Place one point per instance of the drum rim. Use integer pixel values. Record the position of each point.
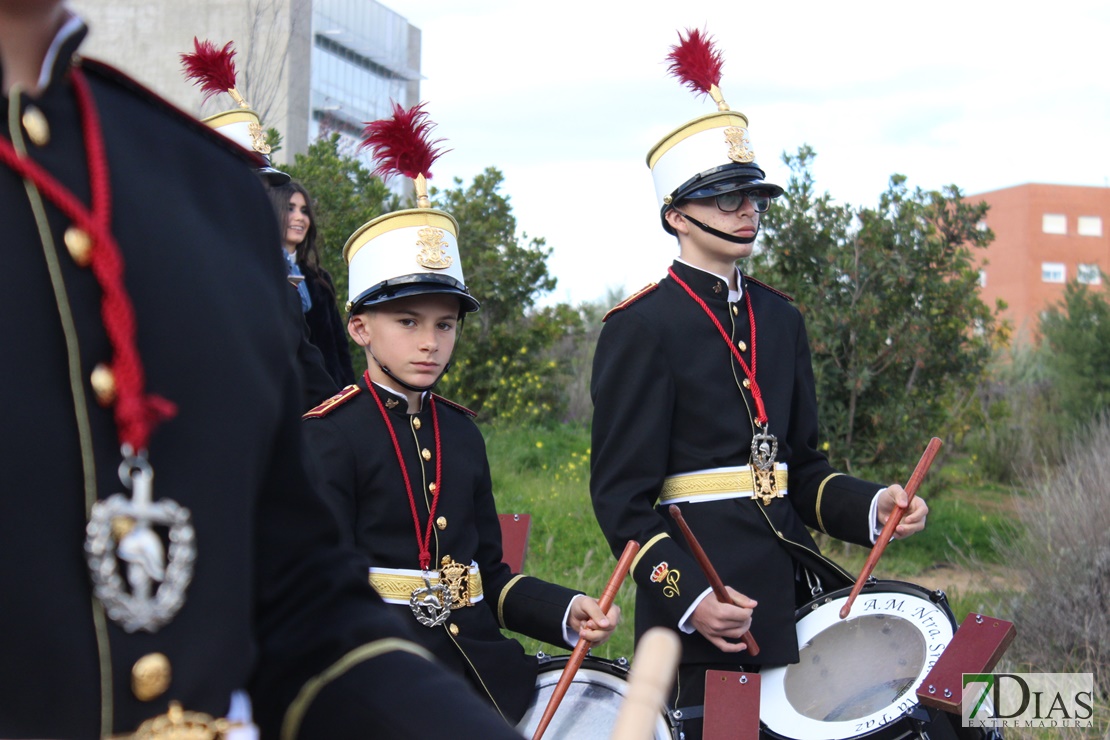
(773, 702)
(615, 674)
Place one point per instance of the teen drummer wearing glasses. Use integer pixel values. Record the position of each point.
(704, 397)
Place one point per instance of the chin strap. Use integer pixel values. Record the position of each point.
(710, 230)
(409, 386)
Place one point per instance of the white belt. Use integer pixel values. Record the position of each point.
(716, 484)
(395, 585)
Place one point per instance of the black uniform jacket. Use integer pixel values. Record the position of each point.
(355, 464)
(274, 604)
(668, 399)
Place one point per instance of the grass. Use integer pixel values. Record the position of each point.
(545, 472)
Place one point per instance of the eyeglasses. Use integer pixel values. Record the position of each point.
(731, 202)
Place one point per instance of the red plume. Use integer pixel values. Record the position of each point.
(695, 61)
(211, 68)
(401, 144)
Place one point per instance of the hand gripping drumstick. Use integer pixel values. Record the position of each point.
(649, 684)
(579, 653)
(715, 582)
(892, 522)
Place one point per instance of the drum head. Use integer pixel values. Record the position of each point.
(857, 675)
(590, 707)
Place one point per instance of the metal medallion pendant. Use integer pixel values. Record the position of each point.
(431, 605)
(764, 449)
(135, 531)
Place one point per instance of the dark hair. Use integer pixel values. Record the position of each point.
(307, 255)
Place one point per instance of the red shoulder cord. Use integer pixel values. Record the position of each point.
(424, 541)
(136, 413)
(761, 412)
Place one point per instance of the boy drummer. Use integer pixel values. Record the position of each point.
(405, 470)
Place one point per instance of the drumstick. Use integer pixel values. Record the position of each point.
(715, 582)
(649, 684)
(579, 653)
(892, 522)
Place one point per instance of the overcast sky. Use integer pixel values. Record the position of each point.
(566, 98)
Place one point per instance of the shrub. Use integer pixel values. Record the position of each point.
(1063, 616)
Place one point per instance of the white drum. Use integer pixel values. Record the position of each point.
(590, 707)
(858, 677)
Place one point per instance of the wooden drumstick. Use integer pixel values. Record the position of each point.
(715, 581)
(649, 684)
(579, 653)
(892, 522)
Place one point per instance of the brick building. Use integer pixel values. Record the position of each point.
(1045, 236)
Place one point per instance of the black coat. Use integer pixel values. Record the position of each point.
(326, 329)
(356, 470)
(668, 399)
(274, 600)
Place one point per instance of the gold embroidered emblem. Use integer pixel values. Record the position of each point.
(456, 577)
(179, 723)
(739, 146)
(391, 403)
(258, 138)
(432, 254)
(662, 573)
(765, 488)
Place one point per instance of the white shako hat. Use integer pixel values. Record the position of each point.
(214, 71)
(413, 251)
(711, 154)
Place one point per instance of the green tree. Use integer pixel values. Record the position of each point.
(899, 336)
(1076, 334)
(506, 362)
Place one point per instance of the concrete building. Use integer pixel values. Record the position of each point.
(1045, 237)
(306, 66)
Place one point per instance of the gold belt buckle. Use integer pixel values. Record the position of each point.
(766, 488)
(456, 577)
(179, 724)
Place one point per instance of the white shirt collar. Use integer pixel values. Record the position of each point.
(72, 25)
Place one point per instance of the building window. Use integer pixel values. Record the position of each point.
(1053, 272)
(1054, 223)
(1090, 226)
(982, 278)
(1089, 275)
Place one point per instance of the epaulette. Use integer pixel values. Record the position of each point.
(122, 79)
(332, 403)
(630, 300)
(456, 406)
(765, 286)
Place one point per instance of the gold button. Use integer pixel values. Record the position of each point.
(426, 454)
(103, 382)
(441, 522)
(453, 629)
(735, 311)
(79, 245)
(34, 123)
(432, 487)
(150, 676)
(746, 383)
(416, 422)
(741, 346)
